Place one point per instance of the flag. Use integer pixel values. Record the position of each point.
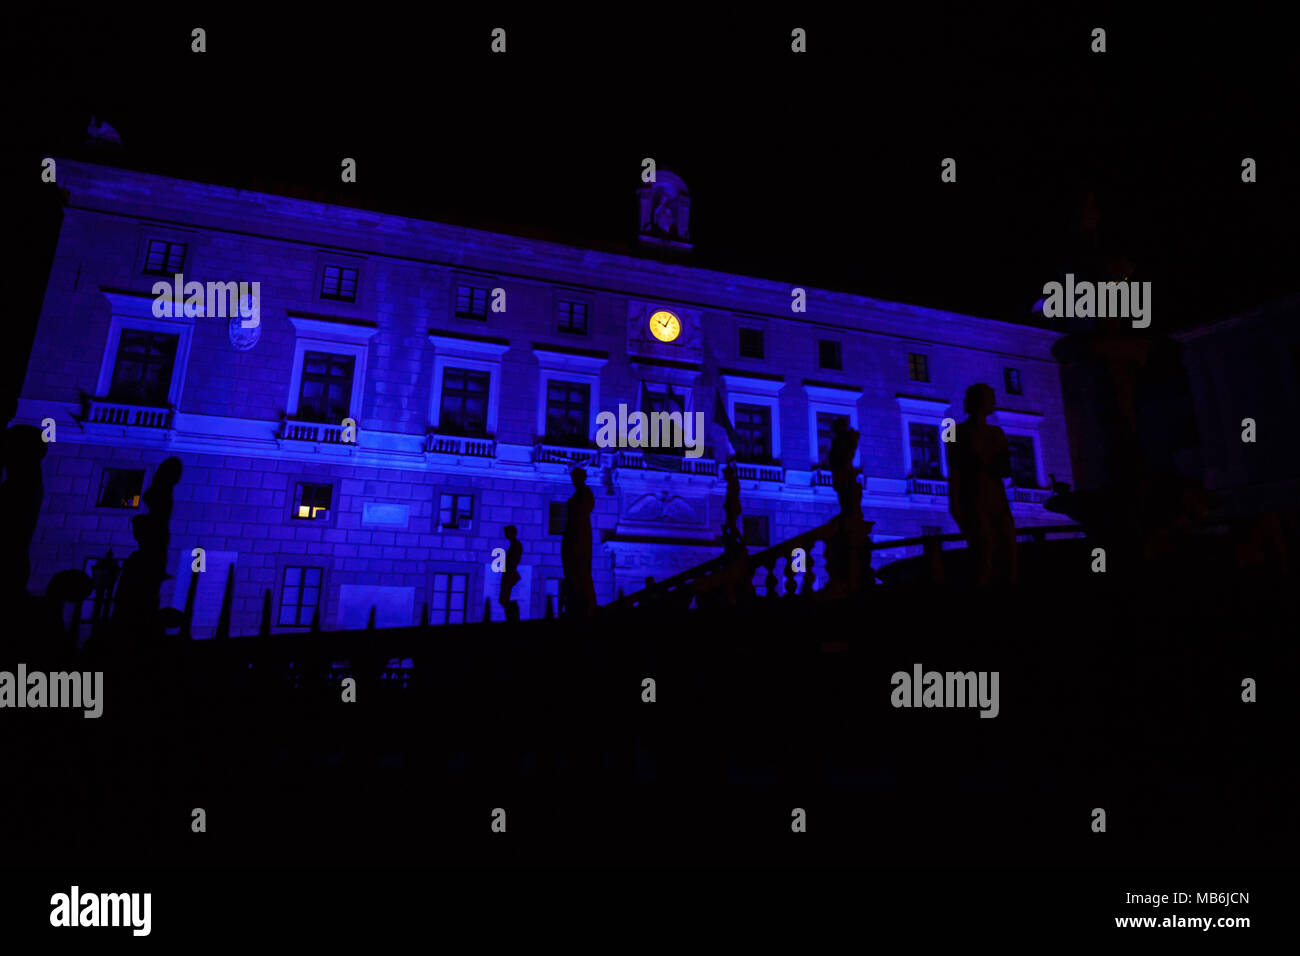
(720, 418)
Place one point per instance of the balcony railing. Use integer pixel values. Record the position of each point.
(823, 478)
(565, 455)
(625, 458)
(748, 471)
(1029, 496)
(937, 487)
(461, 446)
(321, 432)
(132, 416)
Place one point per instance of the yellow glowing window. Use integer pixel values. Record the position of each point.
(311, 501)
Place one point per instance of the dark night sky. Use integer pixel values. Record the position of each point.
(819, 170)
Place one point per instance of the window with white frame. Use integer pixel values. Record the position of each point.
(1025, 446)
(327, 382)
(568, 396)
(925, 454)
(466, 384)
(754, 408)
(825, 404)
(145, 356)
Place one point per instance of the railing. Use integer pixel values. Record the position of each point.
(690, 466)
(564, 455)
(134, 416)
(937, 487)
(1030, 496)
(751, 472)
(823, 478)
(460, 445)
(292, 430)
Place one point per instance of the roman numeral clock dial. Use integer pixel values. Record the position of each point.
(665, 326)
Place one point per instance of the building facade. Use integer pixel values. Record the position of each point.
(410, 388)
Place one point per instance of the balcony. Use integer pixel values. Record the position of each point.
(129, 416)
(934, 487)
(634, 459)
(1028, 496)
(750, 471)
(822, 478)
(571, 457)
(461, 446)
(317, 432)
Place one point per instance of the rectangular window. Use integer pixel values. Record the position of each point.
(300, 596)
(164, 258)
(918, 367)
(464, 402)
(1024, 467)
(120, 488)
(755, 529)
(924, 441)
(455, 512)
(556, 517)
(450, 597)
(828, 355)
(311, 502)
(1011, 379)
(340, 283)
(825, 432)
(471, 302)
(754, 433)
(142, 371)
(567, 406)
(326, 391)
(751, 343)
(571, 317)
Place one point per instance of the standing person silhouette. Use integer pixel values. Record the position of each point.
(510, 577)
(575, 550)
(977, 498)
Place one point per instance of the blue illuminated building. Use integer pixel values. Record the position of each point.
(474, 365)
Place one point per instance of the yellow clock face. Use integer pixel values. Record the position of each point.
(665, 326)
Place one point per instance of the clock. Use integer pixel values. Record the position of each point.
(665, 326)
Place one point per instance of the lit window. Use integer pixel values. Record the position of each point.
(120, 488)
(311, 501)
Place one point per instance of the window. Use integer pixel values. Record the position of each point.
(340, 283)
(450, 597)
(455, 512)
(1011, 379)
(826, 432)
(924, 440)
(1024, 467)
(471, 302)
(120, 488)
(754, 433)
(326, 390)
(571, 317)
(300, 596)
(311, 502)
(464, 402)
(556, 517)
(751, 343)
(566, 411)
(918, 367)
(755, 529)
(828, 355)
(164, 258)
(142, 370)
(88, 606)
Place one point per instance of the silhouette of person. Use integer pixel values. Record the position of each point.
(575, 550)
(844, 477)
(510, 577)
(20, 505)
(977, 498)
